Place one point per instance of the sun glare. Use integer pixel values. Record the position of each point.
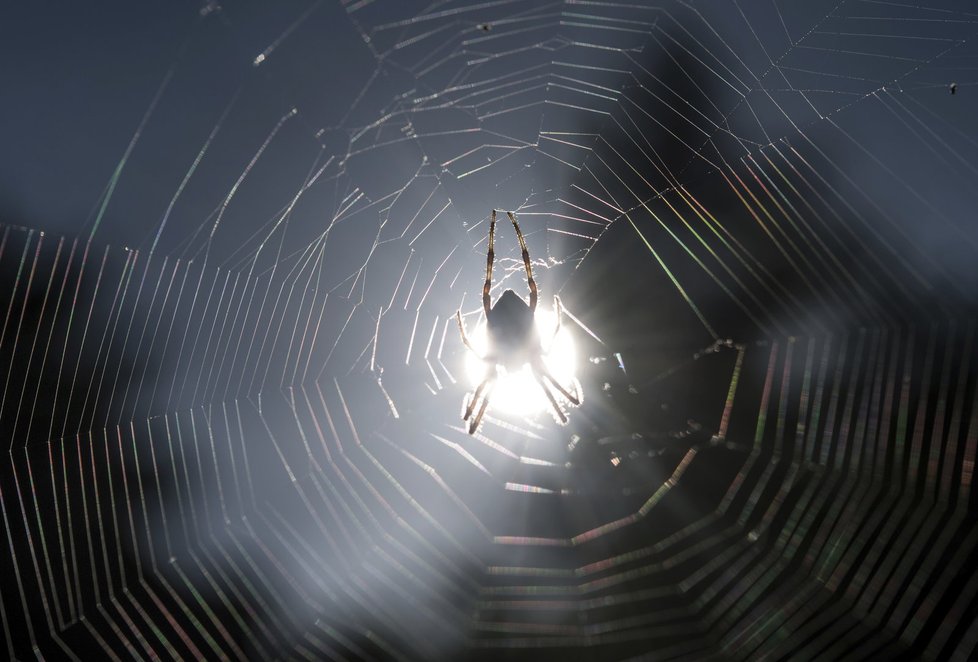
(517, 392)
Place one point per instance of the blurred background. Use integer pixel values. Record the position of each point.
(233, 239)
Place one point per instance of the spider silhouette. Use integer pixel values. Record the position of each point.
(513, 339)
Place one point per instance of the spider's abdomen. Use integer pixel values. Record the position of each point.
(513, 337)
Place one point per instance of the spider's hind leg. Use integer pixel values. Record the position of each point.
(482, 392)
(488, 384)
(555, 406)
(573, 398)
(558, 308)
(470, 406)
(474, 425)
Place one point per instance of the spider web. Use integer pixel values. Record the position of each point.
(232, 395)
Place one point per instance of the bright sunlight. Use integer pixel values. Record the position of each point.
(517, 392)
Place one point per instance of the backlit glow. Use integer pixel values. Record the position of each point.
(518, 392)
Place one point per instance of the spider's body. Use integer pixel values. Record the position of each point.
(513, 337)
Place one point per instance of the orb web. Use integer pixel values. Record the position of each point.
(232, 396)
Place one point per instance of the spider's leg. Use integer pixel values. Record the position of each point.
(526, 262)
(486, 381)
(490, 256)
(475, 397)
(465, 336)
(557, 310)
(545, 371)
(550, 396)
(474, 425)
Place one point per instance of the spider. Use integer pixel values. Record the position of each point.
(513, 339)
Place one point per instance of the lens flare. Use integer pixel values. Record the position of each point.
(518, 392)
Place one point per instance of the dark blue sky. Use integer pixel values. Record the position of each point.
(79, 78)
(76, 80)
